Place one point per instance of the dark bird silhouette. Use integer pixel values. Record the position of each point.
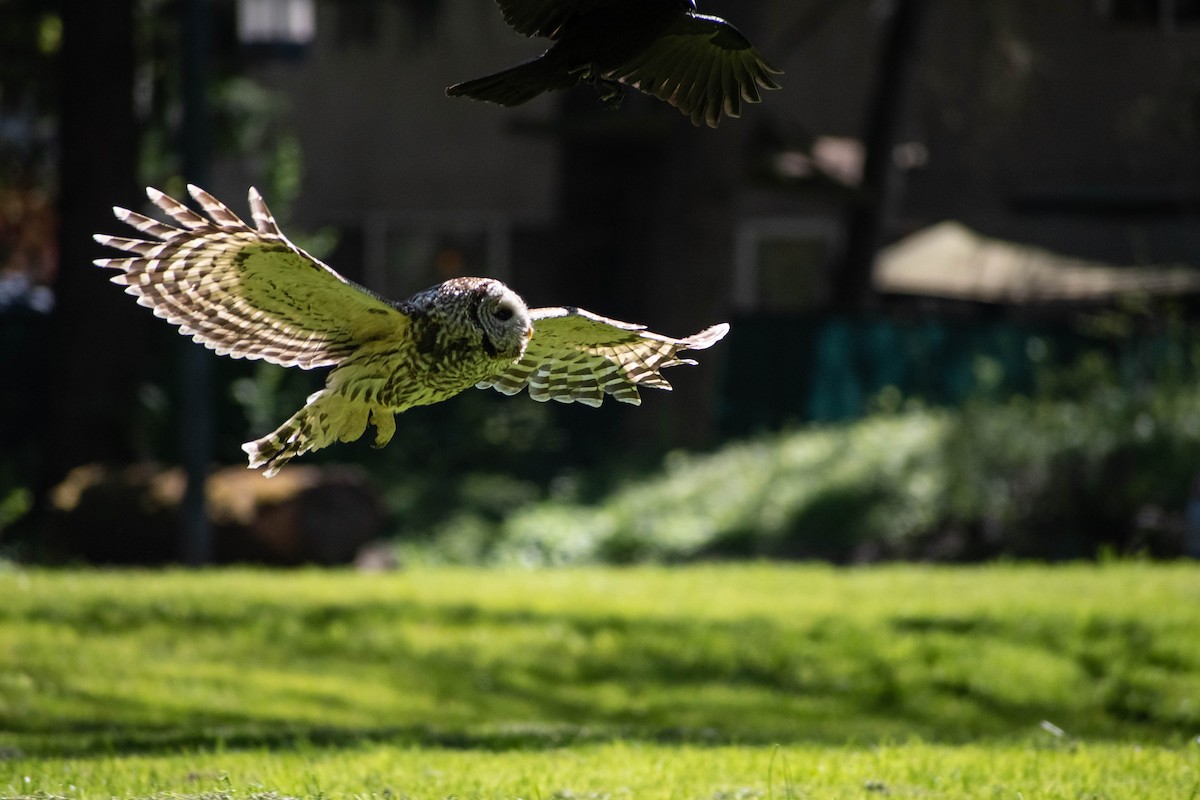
(700, 64)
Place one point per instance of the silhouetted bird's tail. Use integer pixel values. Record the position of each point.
(515, 85)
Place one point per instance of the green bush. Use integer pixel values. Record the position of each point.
(1110, 470)
(811, 493)
(1061, 478)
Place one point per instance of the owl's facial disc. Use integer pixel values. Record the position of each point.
(505, 322)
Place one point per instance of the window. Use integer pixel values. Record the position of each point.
(407, 252)
(279, 27)
(1166, 15)
(357, 23)
(781, 265)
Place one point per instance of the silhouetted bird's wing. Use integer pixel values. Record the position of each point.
(545, 17)
(703, 66)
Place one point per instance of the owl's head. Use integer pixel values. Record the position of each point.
(469, 314)
(503, 319)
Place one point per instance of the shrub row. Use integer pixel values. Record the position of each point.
(1030, 478)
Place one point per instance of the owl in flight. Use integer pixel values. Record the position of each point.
(700, 64)
(250, 293)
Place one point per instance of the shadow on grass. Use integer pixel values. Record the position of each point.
(462, 676)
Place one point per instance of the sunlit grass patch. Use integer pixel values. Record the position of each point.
(628, 770)
(515, 683)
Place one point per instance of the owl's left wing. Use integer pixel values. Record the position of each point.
(577, 356)
(246, 292)
(703, 66)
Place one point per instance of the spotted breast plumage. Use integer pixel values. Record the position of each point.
(251, 293)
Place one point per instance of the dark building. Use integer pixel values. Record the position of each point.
(1071, 126)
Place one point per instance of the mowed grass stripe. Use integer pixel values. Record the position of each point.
(628, 770)
(246, 674)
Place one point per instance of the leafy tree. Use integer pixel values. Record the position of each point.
(96, 342)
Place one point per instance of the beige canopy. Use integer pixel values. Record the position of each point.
(952, 261)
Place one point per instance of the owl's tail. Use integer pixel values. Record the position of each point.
(328, 416)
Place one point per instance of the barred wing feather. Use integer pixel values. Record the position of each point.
(245, 292)
(576, 356)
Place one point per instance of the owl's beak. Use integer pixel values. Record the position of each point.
(528, 334)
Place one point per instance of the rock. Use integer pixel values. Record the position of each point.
(130, 515)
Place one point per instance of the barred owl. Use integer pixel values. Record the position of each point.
(700, 64)
(250, 293)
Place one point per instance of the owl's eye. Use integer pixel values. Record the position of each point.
(503, 313)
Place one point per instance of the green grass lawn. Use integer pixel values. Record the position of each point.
(699, 682)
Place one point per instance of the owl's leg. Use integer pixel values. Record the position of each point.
(384, 421)
(328, 416)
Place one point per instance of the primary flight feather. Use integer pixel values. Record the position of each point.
(250, 293)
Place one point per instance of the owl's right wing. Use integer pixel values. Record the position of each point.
(245, 292)
(578, 356)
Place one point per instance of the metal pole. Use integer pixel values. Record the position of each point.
(196, 431)
(852, 290)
